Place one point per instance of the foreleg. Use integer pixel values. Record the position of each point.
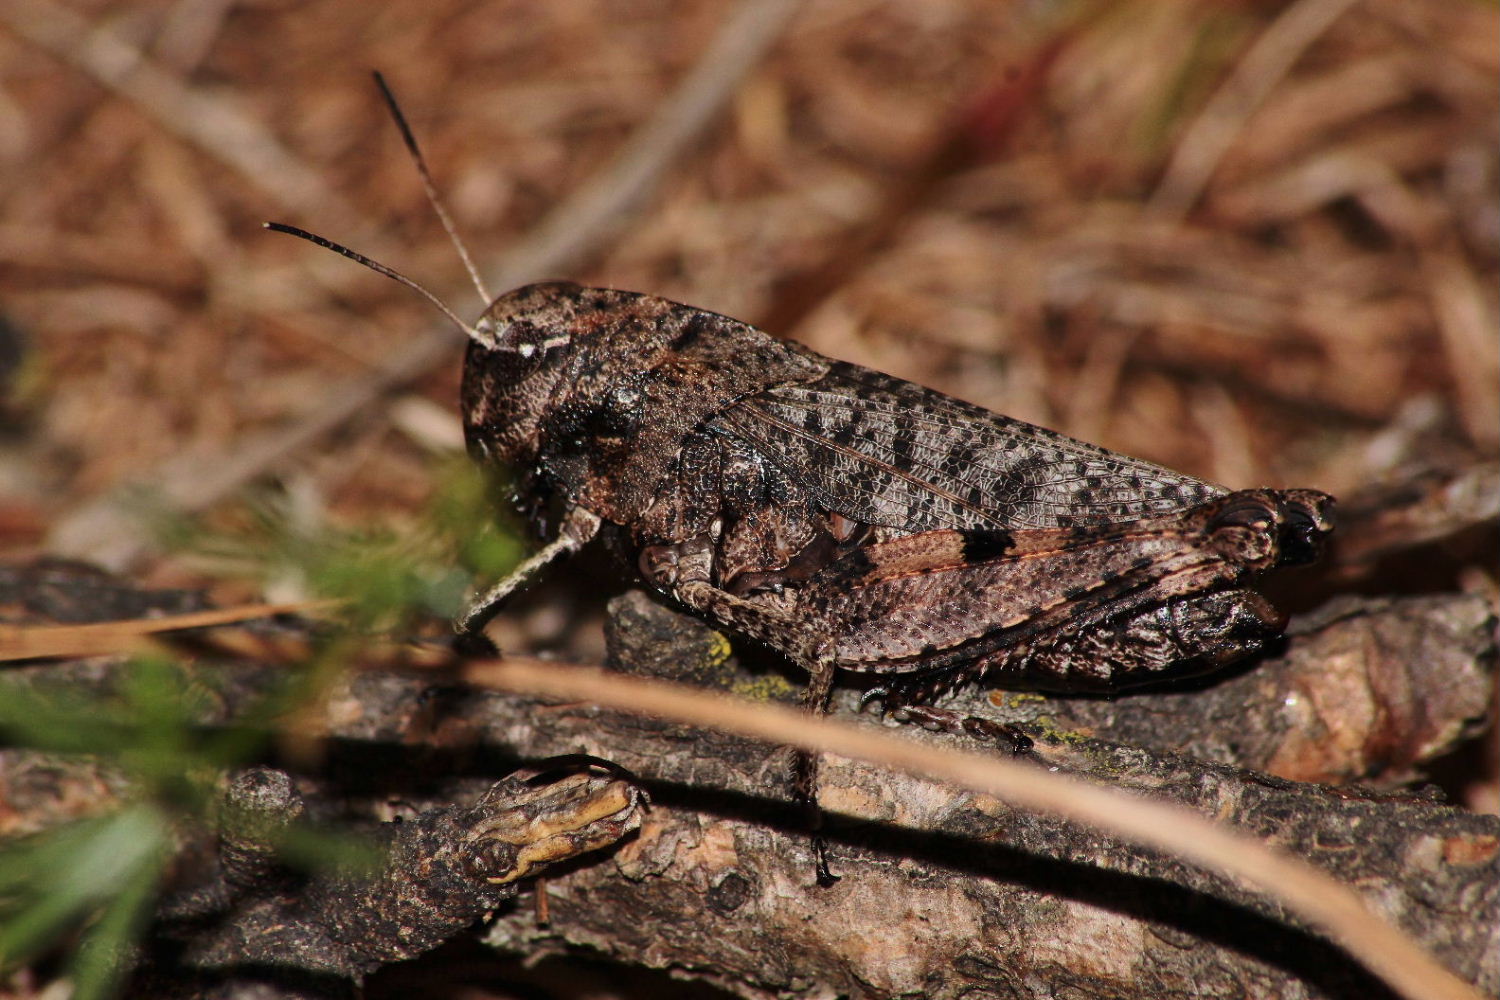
(578, 527)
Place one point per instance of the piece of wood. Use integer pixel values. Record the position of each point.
(944, 893)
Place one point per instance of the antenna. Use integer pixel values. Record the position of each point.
(431, 188)
(360, 258)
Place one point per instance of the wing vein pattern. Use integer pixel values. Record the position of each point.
(885, 452)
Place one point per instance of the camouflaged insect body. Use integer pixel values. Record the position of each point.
(853, 520)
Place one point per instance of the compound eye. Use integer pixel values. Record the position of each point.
(529, 345)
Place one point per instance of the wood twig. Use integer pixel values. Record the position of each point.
(945, 891)
(32, 642)
(1304, 890)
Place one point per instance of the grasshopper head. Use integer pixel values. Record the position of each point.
(519, 355)
(552, 364)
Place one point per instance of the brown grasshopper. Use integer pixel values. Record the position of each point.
(851, 520)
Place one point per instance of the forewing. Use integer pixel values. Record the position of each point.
(887, 452)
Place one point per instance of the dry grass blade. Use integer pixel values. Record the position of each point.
(214, 125)
(1306, 891)
(32, 642)
(981, 132)
(1267, 62)
(580, 225)
(1467, 326)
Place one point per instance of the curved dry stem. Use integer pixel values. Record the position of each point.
(1320, 900)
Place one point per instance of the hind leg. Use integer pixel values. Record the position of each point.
(817, 659)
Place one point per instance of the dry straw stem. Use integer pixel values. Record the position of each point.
(1321, 901)
(592, 214)
(32, 642)
(1266, 63)
(214, 124)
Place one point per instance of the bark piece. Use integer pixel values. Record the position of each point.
(253, 922)
(1366, 690)
(1416, 509)
(944, 894)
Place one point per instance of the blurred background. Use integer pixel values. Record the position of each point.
(1254, 241)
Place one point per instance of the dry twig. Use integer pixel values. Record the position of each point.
(30, 642)
(1320, 900)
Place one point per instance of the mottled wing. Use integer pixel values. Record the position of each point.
(883, 451)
